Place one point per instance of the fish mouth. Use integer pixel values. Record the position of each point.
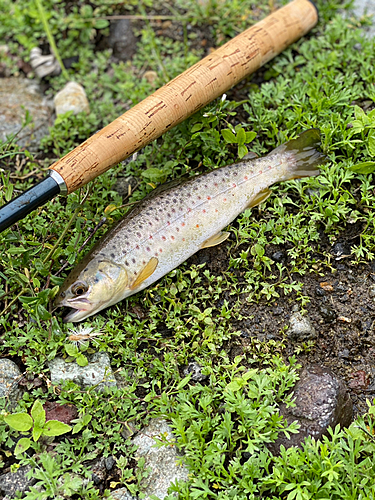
(78, 312)
(74, 315)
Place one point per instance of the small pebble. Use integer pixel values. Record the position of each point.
(71, 98)
(279, 256)
(301, 327)
(344, 354)
(340, 251)
(195, 370)
(327, 313)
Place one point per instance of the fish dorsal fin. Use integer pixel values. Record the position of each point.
(216, 239)
(259, 198)
(146, 272)
(251, 155)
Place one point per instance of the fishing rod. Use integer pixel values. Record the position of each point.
(171, 104)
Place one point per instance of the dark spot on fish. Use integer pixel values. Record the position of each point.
(199, 197)
(126, 263)
(173, 210)
(85, 269)
(139, 235)
(235, 173)
(169, 215)
(174, 200)
(177, 229)
(157, 219)
(127, 242)
(113, 255)
(215, 174)
(206, 187)
(172, 237)
(148, 249)
(140, 226)
(96, 280)
(144, 262)
(137, 247)
(133, 260)
(150, 223)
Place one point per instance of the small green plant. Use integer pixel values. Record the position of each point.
(240, 137)
(364, 124)
(36, 424)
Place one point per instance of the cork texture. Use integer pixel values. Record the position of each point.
(187, 93)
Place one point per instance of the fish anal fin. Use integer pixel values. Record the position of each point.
(216, 239)
(259, 198)
(146, 272)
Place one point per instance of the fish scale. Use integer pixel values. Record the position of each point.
(170, 225)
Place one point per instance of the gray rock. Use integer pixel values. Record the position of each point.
(162, 461)
(195, 370)
(97, 372)
(362, 7)
(99, 471)
(301, 327)
(71, 98)
(13, 482)
(122, 494)
(321, 400)
(10, 375)
(122, 39)
(16, 94)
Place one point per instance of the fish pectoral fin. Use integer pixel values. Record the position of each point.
(259, 198)
(216, 239)
(146, 272)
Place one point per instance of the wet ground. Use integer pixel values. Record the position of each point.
(341, 308)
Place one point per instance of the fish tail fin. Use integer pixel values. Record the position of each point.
(304, 153)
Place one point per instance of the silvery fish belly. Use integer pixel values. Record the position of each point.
(173, 223)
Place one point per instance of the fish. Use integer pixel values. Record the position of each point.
(175, 221)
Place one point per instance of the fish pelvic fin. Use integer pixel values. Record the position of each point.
(146, 272)
(216, 239)
(305, 154)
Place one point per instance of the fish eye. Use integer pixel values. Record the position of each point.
(79, 288)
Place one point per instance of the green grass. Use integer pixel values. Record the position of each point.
(223, 425)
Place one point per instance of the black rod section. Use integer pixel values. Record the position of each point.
(28, 201)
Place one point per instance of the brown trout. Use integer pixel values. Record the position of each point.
(173, 223)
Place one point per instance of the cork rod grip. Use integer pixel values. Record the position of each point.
(187, 93)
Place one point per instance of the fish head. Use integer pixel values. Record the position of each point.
(91, 287)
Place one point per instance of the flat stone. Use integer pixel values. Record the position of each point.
(301, 327)
(122, 494)
(13, 482)
(16, 96)
(322, 401)
(97, 372)
(71, 98)
(10, 375)
(162, 461)
(362, 7)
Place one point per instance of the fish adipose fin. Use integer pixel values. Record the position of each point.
(259, 198)
(305, 154)
(215, 240)
(146, 272)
